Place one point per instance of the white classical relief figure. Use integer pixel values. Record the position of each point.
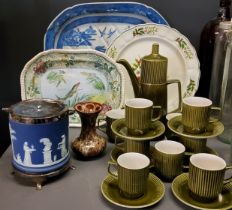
(27, 153)
(18, 158)
(47, 152)
(62, 146)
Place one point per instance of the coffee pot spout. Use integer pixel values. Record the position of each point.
(134, 79)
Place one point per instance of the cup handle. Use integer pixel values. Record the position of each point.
(111, 164)
(226, 181)
(100, 127)
(179, 93)
(117, 144)
(215, 108)
(160, 113)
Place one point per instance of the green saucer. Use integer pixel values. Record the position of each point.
(156, 129)
(213, 129)
(155, 192)
(181, 191)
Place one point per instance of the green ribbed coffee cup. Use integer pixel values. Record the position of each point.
(196, 113)
(193, 144)
(168, 159)
(131, 145)
(132, 170)
(138, 114)
(206, 176)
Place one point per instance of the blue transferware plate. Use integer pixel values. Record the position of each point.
(96, 25)
(73, 76)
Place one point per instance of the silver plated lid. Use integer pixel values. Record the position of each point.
(38, 109)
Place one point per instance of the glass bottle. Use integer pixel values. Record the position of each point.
(206, 47)
(220, 48)
(224, 88)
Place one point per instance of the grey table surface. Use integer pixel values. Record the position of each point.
(76, 189)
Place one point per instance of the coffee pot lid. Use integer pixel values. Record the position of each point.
(154, 67)
(155, 56)
(38, 108)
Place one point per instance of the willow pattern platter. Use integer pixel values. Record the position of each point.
(73, 76)
(183, 63)
(95, 25)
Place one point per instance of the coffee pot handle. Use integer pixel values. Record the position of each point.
(179, 93)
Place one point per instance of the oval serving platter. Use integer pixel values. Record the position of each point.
(183, 63)
(95, 25)
(73, 76)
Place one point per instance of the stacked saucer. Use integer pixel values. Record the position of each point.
(195, 125)
(132, 143)
(195, 142)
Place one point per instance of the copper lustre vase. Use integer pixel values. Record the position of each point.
(89, 143)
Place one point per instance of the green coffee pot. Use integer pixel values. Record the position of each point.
(153, 80)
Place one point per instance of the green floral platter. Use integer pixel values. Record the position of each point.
(73, 76)
(183, 63)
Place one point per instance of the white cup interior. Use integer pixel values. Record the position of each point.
(197, 101)
(139, 103)
(116, 114)
(133, 160)
(208, 161)
(170, 147)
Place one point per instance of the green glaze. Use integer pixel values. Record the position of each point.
(157, 93)
(138, 115)
(156, 129)
(193, 144)
(154, 193)
(181, 191)
(154, 67)
(205, 185)
(168, 166)
(132, 182)
(212, 129)
(196, 118)
(130, 145)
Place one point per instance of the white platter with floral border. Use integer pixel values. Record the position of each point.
(73, 76)
(183, 63)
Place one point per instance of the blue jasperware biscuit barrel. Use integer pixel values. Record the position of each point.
(39, 135)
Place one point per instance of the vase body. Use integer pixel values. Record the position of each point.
(89, 143)
(206, 48)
